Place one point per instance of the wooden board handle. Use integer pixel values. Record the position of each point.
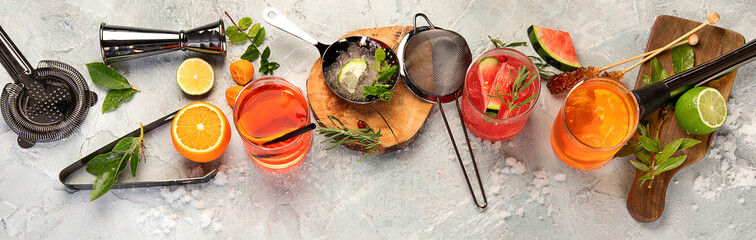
(647, 204)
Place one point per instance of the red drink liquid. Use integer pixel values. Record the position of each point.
(495, 72)
(265, 108)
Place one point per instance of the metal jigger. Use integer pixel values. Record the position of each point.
(122, 43)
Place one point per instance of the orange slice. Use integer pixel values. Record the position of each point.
(200, 132)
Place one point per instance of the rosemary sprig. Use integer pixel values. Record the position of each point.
(517, 87)
(339, 134)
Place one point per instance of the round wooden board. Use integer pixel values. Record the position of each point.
(406, 112)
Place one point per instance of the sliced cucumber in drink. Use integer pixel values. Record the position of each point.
(493, 107)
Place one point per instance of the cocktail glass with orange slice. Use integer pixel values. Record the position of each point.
(267, 109)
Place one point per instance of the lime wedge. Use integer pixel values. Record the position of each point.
(355, 67)
(701, 110)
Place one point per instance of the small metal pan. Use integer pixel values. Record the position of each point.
(329, 53)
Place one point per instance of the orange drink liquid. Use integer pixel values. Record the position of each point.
(598, 117)
(265, 108)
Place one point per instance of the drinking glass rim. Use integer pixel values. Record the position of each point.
(282, 82)
(624, 88)
(529, 63)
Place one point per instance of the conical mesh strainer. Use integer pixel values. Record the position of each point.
(435, 62)
(43, 104)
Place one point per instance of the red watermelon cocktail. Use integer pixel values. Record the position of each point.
(501, 88)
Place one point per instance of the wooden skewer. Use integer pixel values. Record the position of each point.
(712, 19)
(692, 40)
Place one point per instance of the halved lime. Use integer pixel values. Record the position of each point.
(355, 67)
(195, 76)
(701, 110)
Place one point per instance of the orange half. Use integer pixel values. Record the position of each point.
(200, 132)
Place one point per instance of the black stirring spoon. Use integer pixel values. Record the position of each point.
(292, 134)
(654, 96)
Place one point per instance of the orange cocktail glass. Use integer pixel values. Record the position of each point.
(266, 107)
(598, 117)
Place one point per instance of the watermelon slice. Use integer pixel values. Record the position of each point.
(501, 84)
(555, 47)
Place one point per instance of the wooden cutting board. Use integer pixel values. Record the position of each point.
(406, 113)
(647, 204)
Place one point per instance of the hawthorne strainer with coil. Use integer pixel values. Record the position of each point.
(435, 62)
(43, 104)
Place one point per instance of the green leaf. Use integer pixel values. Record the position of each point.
(107, 77)
(648, 144)
(381, 91)
(687, 142)
(385, 74)
(496, 42)
(134, 161)
(639, 165)
(657, 71)
(629, 148)
(532, 96)
(724, 75)
(114, 98)
(643, 129)
(241, 38)
(103, 183)
(103, 162)
(670, 164)
(644, 156)
(670, 149)
(683, 58)
(516, 44)
(645, 178)
(232, 31)
(272, 66)
(266, 53)
(125, 144)
(244, 23)
(380, 55)
(251, 54)
(259, 37)
(646, 79)
(254, 30)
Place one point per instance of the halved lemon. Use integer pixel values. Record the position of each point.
(200, 132)
(195, 76)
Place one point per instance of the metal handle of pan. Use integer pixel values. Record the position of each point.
(484, 204)
(12, 59)
(414, 23)
(274, 17)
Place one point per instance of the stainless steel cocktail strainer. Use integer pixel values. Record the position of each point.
(43, 104)
(435, 62)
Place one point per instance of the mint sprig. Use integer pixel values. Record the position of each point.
(379, 88)
(256, 36)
